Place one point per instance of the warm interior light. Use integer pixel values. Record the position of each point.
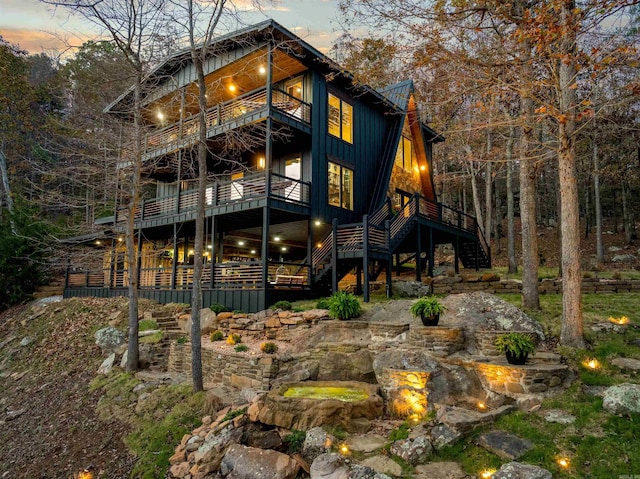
(319, 245)
(160, 116)
(240, 243)
(262, 70)
(190, 252)
(253, 251)
(276, 238)
(98, 242)
(284, 248)
(486, 474)
(261, 162)
(344, 449)
(209, 246)
(317, 222)
(564, 462)
(423, 167)
(591, 363)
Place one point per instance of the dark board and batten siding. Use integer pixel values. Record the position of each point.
(371, 127)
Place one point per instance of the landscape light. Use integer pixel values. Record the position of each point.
(486, 474)
(591, 364)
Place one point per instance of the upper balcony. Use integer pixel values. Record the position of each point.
(243, 110)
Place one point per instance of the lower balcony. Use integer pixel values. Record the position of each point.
(238, 192)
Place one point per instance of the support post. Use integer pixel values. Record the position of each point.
(387, 229)
(359, 279)
(111, 263)
(365, 257)
(139, 258)
(309, 250)
(174, 263)
(457, 255)
(268, 148)
(213, 250)
(334, 256)
(418, 250)
(398, 264)
(265, 247)
(431, 252)
(66, 274)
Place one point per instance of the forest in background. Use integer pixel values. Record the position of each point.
(535, 99)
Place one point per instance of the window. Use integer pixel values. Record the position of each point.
(340, 186)
(404, 153)
(294, 88)
(340, 118)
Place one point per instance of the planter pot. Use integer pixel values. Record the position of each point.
(430, 320)
(516, 359)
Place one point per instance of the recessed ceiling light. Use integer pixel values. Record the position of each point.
(240, 243)
(276, 238)
(262, 70)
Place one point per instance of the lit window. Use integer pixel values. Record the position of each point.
(404, 153)
(340, 118)
(340, 186)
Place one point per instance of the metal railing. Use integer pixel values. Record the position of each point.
(223, 192)
(184, 133)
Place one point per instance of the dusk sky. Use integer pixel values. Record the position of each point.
(36, 27)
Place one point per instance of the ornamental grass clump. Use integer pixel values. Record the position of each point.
(344, 306)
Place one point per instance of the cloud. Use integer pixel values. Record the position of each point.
(36, 41)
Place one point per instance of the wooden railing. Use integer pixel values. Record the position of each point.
(223, 192)
(185, 133)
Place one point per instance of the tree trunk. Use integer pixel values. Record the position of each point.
(626, 215)
(133, 352)
(511, 231)
(572, 328)
(476, 199)
(6, 187)
(596, 199)
(487, 191)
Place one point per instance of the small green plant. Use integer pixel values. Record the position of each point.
(234, 414)
(427, 306)
(294, 440)
(324, 303)
(181, 340)
(238, 311)
(269, 348)
(147, 325)
(234, 338)
(216, 335)
(218, 308)
(283, 305)
(240, 348)
(517, 344)
(399, 433)
(343, 305)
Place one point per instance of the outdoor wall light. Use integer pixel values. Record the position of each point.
(317, 222)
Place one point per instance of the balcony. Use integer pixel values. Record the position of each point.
(243, 110)
(223, 193)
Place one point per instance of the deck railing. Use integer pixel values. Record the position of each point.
(182, 134)
(226, 275)
(223, 192)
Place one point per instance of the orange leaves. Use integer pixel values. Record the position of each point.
(541, 110)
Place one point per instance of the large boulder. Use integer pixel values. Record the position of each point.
(335, 466)
(622, 399)
(241, 462)
(109, 339)
(316, 442)
(414, 451)
(208, 322)
(481, 311)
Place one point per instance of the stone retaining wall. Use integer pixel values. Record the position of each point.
(486, 341)
(517, 380)
(458, 284)
(437, 338)
(230, 369)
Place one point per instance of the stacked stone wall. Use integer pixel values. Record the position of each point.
(517, 380)
(437, 339)
(458, 284)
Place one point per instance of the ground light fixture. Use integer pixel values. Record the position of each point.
(344, 449)
(563, 462)
(591, 364)
(487, 473)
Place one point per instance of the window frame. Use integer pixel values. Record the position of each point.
(341, 169)
(340, 123)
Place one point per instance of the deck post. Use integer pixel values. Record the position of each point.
(139, 258)
(213, 250)
(66, 274)
(432, 249)
(418, 250)
(398, 264)
(268, 147)
(264, 253)
(309, 250)
(334, 255)
(359, 279)
(456, 252)
(365, 257)
(112, 265)
(387, 229)
(174, 262)
(179, 190)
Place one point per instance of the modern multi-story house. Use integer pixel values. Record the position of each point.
(311, 175)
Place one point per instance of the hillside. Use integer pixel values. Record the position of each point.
(48, 423)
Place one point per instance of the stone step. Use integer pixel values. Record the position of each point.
(156, 315)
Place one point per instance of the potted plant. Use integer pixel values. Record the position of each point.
(429, 310)
(516, 346)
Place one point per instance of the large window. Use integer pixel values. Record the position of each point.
(340, 186)
(340, 118)
(404, 153)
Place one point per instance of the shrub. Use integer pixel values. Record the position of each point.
(324, 303)
(284, 305)
(268, 348)
(344, 306)
(234, 339)
(240, 348)
(217, 308)
(181, 340)
(515, 343)
(294, 440)
(216, 335)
